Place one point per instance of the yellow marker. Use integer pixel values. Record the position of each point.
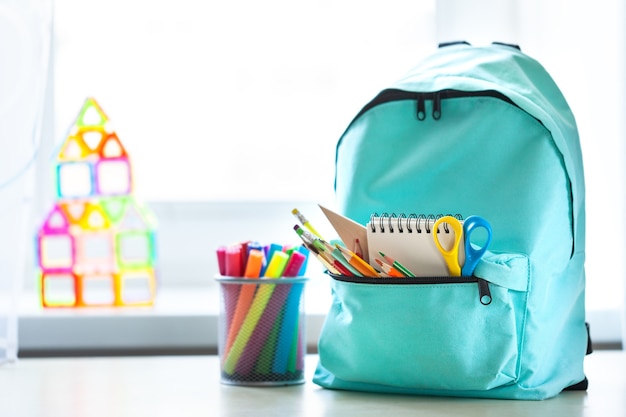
(274, 270)
(277, 264)
(305, 222)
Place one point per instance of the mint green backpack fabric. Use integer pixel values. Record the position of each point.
(470, 130)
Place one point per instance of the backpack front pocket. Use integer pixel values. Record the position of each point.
(423, 336)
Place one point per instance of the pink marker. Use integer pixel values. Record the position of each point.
(233, 261)
(221, 259)
(294, 264)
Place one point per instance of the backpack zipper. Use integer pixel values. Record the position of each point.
(483, 285)
(393, 94)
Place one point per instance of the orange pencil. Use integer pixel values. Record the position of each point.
(358, 263)
(397, 265)
(246, 295)
(389, 270)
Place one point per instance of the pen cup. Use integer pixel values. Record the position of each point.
(261, 331)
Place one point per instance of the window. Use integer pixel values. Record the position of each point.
(231, 111)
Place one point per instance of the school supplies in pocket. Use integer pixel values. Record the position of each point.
(426, 335)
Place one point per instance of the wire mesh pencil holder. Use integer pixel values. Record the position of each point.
(261, 331)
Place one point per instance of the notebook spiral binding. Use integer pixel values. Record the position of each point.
(392, 222)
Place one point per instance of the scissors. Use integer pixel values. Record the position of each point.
(465, 230)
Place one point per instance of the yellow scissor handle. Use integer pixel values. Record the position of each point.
(451, 256)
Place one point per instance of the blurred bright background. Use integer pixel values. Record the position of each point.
(231, 111)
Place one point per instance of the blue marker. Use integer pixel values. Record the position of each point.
(303, 250)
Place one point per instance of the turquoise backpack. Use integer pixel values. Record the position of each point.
(475, 131)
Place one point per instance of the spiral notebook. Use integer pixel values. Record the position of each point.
(408, 239)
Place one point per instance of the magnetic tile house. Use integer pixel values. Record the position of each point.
(96, 246)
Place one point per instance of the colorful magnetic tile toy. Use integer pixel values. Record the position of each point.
(96, 246)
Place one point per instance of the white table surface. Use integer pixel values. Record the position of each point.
(189, 386)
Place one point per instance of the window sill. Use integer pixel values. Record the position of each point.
(182, 321)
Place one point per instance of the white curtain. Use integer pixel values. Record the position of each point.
(25, 33)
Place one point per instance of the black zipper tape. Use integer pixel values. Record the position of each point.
(393, 94)
(483, 286)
